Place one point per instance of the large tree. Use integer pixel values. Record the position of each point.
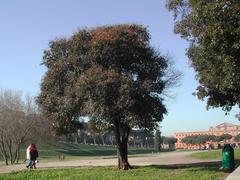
(111, 73)
(213, 31)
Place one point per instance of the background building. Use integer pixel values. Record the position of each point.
(224, 128)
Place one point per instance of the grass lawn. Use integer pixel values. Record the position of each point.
(214, 154)
(51, 151)
(107, 173)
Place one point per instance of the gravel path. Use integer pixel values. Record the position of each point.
(167, 158)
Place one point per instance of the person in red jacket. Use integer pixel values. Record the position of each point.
(33, 156)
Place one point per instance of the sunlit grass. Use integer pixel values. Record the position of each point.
(51, 152)
(108, 173)
(214, 154)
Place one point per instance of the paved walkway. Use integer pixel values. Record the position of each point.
(235, 175)
(167, 158)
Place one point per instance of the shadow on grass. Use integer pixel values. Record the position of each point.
(86, 152)
(98, 152)
(211, 166)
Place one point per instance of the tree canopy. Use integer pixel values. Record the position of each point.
(169, 140)
(111, 73)
(197, 139)
(213, 31)
(237, 138)
(223, 137)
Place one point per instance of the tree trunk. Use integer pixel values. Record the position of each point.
(112, 140)
(102, 136)
(6, 159)
(84, 139)
(94, 139)
(123, 156)
(3, 149)
(10, 154)
(122, 147)
(16, 156)
(134, 141)
(75, 138)
(9, 145)
(4, 153)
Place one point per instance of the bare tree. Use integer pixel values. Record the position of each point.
(19, 122)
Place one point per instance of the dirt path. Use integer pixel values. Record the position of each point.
(168, 158)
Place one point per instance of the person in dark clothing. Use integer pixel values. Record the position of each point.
(33, 156)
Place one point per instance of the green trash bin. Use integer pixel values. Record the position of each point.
(228, 164)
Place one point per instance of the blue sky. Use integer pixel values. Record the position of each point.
(27, 26)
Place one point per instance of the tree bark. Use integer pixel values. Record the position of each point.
(122, 134)
(75, 138)
(4, 153)
(17, 156)
(102, 136)
(3, 149)
(9, 145)
(94, 140)
(134, 141)
(111, 140)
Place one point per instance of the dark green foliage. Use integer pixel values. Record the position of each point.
(198, 139)
(109, 72)
(157, 141)
(169, 140)
(223, 137)
(237, 138)
(202, 139)
(213, 31)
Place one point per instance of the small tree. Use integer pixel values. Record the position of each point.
(170, 141)
(157, 141)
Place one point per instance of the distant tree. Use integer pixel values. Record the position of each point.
(213, 31)
(157, 141)
(197, 139)
(141, 138)
(237, 138)
(110, 72)
(94, 130)
(99, 127)
(187, 140)
(223, 137)
(84, 132)
(170, 141)
(20, 121)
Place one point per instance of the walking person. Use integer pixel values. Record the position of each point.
(33, 156)
(28, 157)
